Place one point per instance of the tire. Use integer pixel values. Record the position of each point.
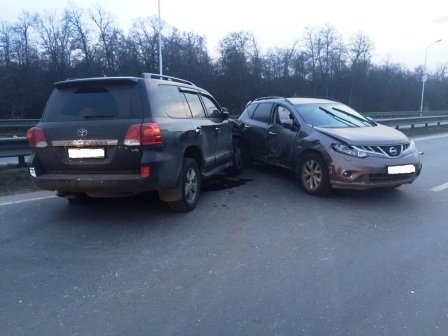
(237, 159)
(313, 175)
(191, 187)
(76, 199)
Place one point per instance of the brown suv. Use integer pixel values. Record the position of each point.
(327, 144)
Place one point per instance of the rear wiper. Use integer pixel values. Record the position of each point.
(353, 116)
(104, 116)
(347, 122)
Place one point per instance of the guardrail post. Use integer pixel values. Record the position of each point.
(22, 161)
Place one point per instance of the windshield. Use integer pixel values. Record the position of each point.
(332, 115)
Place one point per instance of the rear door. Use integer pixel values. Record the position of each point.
(255, 130)
(85, 123)
(205, 128)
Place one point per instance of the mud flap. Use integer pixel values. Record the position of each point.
(171, 195)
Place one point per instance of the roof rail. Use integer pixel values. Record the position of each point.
(323, 97)
(267, 98)
(167, 78)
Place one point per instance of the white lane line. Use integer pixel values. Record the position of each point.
(440, 187)
(27, 200)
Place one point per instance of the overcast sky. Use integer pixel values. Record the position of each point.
(399, 29)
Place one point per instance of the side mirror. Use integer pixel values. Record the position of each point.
(225, 113)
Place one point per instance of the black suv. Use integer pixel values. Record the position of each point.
(114, 136)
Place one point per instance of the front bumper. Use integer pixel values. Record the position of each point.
(348, 172)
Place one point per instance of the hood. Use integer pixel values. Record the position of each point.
(361, 136)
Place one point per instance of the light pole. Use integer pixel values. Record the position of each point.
(160, 43)
(424, 75)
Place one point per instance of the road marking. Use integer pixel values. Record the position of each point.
(440, 187)
(27, 200)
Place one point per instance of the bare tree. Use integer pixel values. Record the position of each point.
(74, 17)
(56, 37)
(144, 33)
(109, 38)
(6, 32)
(22, 44)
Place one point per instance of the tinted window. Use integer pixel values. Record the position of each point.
(250, 110)
(99, 102)
(263, 112)
(212, 109)
(195, 105)
(331, 116)
(172, 102)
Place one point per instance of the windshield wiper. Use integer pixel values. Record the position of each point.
(104, 116)
(347, 122)
(353, 116)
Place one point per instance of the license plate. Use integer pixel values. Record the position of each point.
(405, 169)
(86, 153)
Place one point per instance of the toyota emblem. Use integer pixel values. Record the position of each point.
(393, 151)
(82, 132)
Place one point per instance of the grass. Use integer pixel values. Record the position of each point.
(14, 180)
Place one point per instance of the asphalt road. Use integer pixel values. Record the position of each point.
(257, 257)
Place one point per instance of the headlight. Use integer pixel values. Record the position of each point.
(349, 150)
(412, 147)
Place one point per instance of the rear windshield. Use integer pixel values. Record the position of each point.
(332, 116)
(94, 102)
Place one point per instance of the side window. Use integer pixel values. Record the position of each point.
(172, 102)
(282, 115)
(250, 110)
(195, 105)
(211, 108)
(263, 113)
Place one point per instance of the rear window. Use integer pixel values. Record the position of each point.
(94, 102)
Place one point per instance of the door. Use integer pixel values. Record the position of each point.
(85, 126)
(255, 131)
(223, 128)
(281, 137)
(205, 129)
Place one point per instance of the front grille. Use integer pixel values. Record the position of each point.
(389, 151)
(377, 178)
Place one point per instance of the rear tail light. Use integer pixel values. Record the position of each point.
(133, 137)
(145, 172)
(143, 134)
(151, 134)
(36, 138)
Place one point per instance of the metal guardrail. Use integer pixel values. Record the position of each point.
(403, 114)
(18, 123)
(413, 121)
(18, 146)
(14, 147)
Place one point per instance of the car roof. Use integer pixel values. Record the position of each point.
(295, 100)
(303, 101)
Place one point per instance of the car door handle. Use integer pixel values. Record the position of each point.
(272, 133)
(246, 126)
(198, 130)
(218, 129)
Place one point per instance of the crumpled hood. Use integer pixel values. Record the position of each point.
(378, 135)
